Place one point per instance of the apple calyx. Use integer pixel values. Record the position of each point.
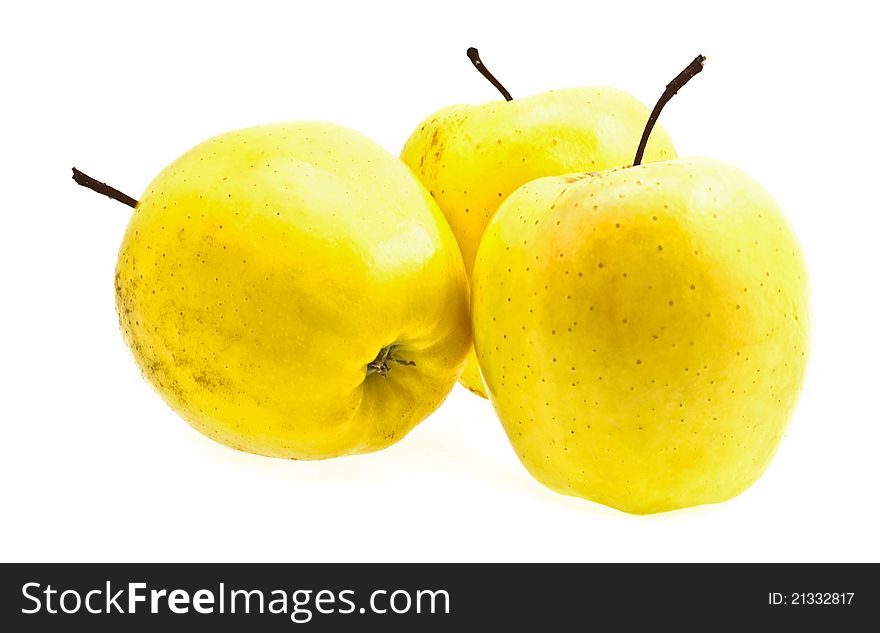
(474, 55)
(671, 88)
(103, 188)
(382, 363)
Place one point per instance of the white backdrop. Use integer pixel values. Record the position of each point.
(96, 467)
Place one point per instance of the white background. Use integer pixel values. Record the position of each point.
(95, 467)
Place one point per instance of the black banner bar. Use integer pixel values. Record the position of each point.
(435, 597)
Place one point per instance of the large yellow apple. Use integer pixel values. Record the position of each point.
(292, 290)
(643, 332)
(471, 157)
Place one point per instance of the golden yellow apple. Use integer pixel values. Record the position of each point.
(643, 332)
(292, 290)
(471, 157)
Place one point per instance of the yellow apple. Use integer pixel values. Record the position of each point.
(471, 157)
(643, 332)
(292, 290)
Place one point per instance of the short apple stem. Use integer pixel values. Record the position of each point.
(474, 55)
(671, 88)
(102, 188)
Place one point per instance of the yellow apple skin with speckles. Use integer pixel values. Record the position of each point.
(643, 332)
(472, 157)
(264, 271)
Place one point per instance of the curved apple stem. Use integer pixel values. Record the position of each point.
(474, 55)
(671, 88)
(103, 188)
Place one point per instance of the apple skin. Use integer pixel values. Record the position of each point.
(643, 332)
(472, 157)
(265, 269)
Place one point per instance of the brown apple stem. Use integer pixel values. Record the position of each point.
(474, 55)
(102, 188)
(671, 88)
